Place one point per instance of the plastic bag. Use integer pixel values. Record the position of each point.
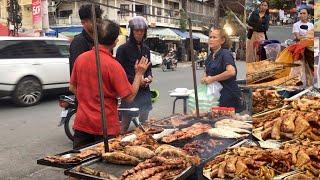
(205, 101)
(214, 89)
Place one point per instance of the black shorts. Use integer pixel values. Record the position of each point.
(83, 139)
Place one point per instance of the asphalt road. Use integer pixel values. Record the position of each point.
(28, 134)
(280, 33)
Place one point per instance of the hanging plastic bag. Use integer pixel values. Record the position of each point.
(214, 89)
(205, 101)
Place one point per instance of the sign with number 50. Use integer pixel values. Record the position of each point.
(36, 14)
(36, 10)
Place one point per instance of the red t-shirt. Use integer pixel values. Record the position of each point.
(115, 84)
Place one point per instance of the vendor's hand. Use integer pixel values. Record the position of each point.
(206, 80)
(141, 66)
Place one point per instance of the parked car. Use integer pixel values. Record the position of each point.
(156, 58)
(30, 66)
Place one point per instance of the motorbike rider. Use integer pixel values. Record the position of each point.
(83, 83)
(170, 58)
(127, 55)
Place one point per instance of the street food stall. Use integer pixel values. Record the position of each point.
(214, 144)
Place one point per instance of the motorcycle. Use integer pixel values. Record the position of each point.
(69, 105)
(200, 63)
(169, 63)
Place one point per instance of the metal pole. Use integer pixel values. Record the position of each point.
(193, 67)
(101, 94)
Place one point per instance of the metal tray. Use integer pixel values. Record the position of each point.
(221, 145)
(69, 165)
(115, 170)
(217, 150)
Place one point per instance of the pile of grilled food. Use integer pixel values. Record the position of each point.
(162, 153)
(249, 162)
(266, 99)
(300, 120)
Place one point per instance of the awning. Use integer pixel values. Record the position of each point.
(184, 35)
(163, 34)
(203, 38)
(71, 31)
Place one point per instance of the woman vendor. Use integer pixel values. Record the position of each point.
(220, 66)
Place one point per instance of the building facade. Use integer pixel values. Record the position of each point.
(159, 13)
(26, 12)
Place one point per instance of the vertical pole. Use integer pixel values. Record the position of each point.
(101, 94)
(193, 67)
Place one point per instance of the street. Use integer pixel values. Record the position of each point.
(280, 33)
(31, 133)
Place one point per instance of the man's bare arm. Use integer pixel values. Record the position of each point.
(73, 89)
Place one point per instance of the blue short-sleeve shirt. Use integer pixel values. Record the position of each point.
(217, 64)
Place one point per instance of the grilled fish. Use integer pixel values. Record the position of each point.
(224, 133)
(120, 158)
(139, 152)
(233, 123)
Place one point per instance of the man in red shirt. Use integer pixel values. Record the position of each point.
(84, 83)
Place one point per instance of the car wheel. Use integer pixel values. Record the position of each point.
(28, 92)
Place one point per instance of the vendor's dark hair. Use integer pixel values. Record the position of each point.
(85, 12)
(265, 1)
(223, 35)
(304, 8)
(108, 32)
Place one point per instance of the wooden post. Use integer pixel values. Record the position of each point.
(101, 93)
(193, 67)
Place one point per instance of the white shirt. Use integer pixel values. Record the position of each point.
(302, 32)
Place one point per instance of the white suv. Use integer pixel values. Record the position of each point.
(31, 65)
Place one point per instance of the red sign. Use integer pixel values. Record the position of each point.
(36, 14)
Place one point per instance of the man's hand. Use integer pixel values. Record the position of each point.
(141, 66)
(146, 81)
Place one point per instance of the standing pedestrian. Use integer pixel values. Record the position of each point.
(258, 26)
(84, 41)
(87, 125)
(127, 55)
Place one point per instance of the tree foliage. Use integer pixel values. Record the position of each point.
(183, 20)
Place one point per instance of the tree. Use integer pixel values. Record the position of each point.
(183, 20)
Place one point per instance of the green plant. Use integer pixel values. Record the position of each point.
(183, 20)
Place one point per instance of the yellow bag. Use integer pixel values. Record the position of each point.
(284, 57)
